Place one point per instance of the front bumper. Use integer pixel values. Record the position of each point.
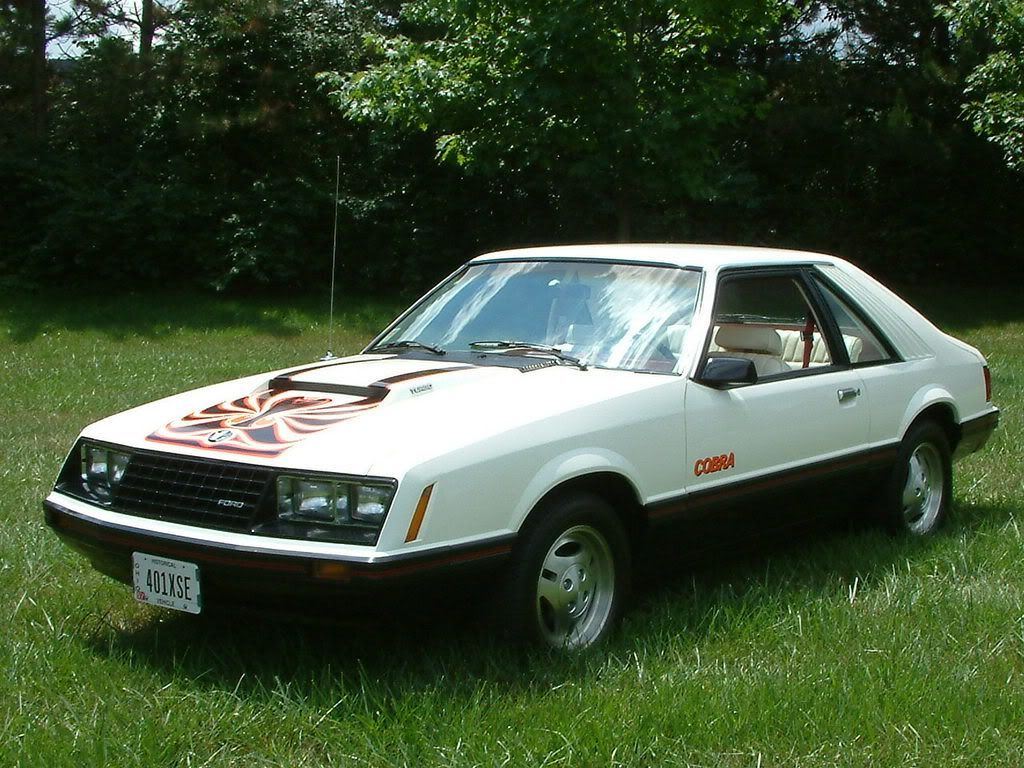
(260, 576)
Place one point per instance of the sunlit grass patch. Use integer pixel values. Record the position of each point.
(847, 648)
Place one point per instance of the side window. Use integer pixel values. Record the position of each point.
(862, 344)
(768, 319)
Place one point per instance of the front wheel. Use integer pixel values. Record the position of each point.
(921, 485)
(569, 575)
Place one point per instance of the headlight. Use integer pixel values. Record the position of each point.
(334, 510)
(371, 503)
(102, 470)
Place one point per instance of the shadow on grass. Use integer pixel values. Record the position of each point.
(970, 518)
(154, 315)
(390, 657)
(962, 308)
(126, 315)
(384, 657)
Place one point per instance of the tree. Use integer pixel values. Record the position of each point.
(24, 74)
(83, 22)
(193, 139)
(620, 105)
(995, 88)
(37, 14)
(257, 133)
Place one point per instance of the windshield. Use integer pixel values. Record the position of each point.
(626, 316)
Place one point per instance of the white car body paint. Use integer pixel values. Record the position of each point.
(494, 441)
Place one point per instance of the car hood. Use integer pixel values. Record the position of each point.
(364, 414)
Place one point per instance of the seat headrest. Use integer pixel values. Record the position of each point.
(749, 338)
(674, 336)
(854, 346)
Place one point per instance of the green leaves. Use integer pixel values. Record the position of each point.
(623, 102)
(469, 125)
(995, 88)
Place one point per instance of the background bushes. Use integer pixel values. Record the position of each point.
(197, 145)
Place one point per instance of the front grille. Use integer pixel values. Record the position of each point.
(206, 493)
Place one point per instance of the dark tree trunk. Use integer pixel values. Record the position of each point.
(147, 30)
(624, 218)
(37, 26)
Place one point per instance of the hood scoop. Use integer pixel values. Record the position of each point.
(374, 392)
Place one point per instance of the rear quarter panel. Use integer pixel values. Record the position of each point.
(935, 368)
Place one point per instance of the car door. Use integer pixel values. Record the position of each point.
(801, 425)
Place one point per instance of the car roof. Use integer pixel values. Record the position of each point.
(679, 255)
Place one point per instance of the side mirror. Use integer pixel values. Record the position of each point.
(725, 372)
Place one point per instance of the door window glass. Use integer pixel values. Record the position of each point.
(768, 319)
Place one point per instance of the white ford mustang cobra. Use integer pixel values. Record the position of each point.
(548, 414)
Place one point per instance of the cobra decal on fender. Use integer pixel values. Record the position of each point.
(714, 464)
(261, 424)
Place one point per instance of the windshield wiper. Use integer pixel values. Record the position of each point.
(529, 346)
(407, 344)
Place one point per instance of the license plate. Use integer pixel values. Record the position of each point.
(165, 582)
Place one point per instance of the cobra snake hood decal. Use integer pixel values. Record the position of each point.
(290, 408)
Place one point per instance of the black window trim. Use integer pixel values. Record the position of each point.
(802, 274)
(814, 277)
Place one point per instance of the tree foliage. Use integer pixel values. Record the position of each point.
(211, 158)
(861, 148)
(196, 139)
(625, 102)
(995, 88)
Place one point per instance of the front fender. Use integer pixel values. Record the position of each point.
(571, 466)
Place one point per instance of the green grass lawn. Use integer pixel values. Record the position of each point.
(850, 649)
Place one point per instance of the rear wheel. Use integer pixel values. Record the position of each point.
(569, 575)
(919, 491)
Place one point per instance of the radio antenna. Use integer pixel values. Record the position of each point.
(334, 260)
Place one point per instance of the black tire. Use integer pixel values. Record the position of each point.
(569, 576)
(918, 493)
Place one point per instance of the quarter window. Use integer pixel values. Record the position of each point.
(862, 344)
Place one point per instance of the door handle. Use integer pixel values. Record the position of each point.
(848, 394)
